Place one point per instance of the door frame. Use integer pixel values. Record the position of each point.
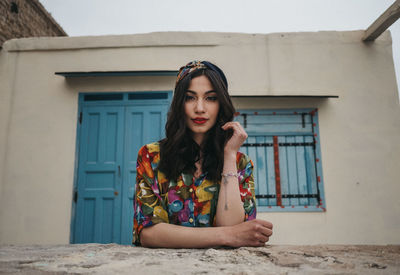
(125, 101)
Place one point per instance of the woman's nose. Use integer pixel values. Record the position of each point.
(199, 106)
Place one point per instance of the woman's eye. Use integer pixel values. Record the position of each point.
(212, 98)
(189, 97)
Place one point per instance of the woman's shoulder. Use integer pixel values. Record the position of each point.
(153, 147)
(150, 150)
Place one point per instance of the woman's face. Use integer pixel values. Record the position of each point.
(201, 107)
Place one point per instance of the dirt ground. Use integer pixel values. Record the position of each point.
(120, 259)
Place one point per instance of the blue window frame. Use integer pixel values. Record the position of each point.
(285, 148)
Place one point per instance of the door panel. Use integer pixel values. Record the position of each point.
(98, 213)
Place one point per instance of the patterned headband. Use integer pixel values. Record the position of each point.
(199, 65)
(188, 68)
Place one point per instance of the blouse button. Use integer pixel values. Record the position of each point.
(190, 220)
(191, 190)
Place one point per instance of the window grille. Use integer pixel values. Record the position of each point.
(284, 146)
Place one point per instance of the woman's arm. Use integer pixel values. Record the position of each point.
(251, 233)
(230, 206)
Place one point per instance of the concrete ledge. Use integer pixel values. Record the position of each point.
(183, 39)
(118, 259)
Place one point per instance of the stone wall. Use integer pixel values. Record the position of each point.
(26, 18)
(122, 259)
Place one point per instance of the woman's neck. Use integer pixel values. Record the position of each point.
(198, 138)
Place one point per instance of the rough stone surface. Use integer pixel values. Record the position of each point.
(26, 18)
(120, 259)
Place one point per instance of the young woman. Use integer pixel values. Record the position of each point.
(193, 188)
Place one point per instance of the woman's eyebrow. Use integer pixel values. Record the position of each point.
(193, 92)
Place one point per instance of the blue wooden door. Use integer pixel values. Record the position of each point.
(98, 208)
(110, 138)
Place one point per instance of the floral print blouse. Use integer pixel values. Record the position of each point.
(189, 201)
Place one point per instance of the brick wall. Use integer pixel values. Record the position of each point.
(26, 18)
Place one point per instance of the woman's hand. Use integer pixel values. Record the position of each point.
(250, 233)
(237, 139)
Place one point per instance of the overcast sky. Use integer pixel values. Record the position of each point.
(102, 17)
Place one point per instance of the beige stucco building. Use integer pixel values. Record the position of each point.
(351, 83)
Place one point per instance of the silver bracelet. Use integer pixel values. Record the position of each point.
(230, 174)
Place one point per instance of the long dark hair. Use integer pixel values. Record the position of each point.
(179, 151)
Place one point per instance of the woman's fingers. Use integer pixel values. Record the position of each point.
(238, 137)
(235, 126)
(266, 231)
(252, 233)
(263, 231)
(262, 238)
(264, 228)
(266, 224)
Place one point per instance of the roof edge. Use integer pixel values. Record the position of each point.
(176, 39)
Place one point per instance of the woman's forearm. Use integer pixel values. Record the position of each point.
(177, 236)
(230, 207)
(251, 233)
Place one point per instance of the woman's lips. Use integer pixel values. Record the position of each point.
(199, 120)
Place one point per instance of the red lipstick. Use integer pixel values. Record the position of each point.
(199, 120)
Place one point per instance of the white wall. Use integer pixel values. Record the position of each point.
(359, 130)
